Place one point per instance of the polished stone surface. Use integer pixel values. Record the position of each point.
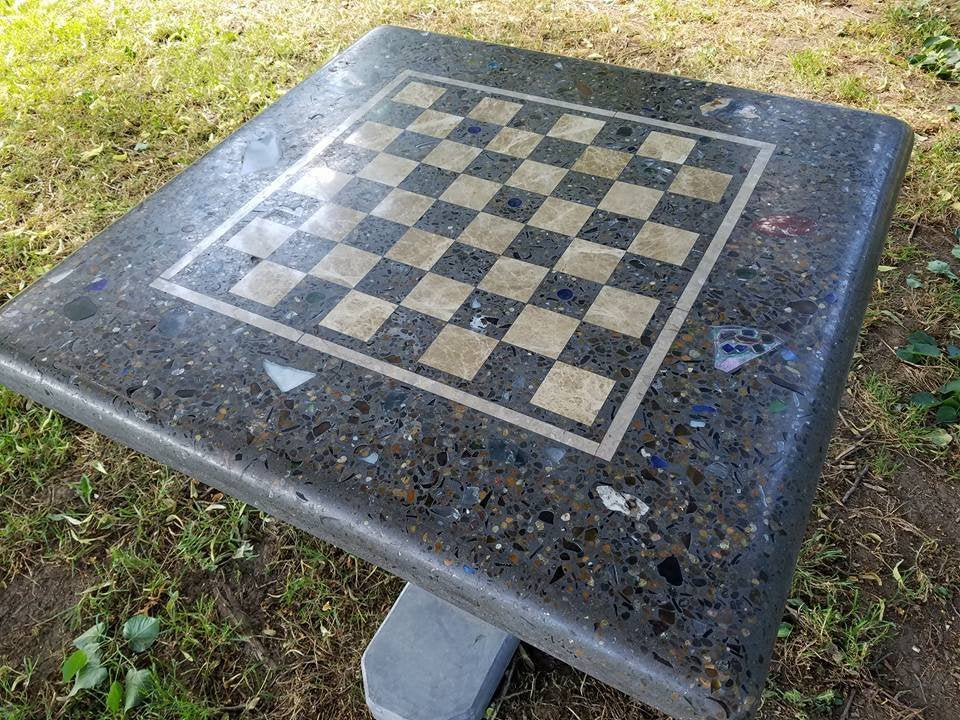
(560, 342)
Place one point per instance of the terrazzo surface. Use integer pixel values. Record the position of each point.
(568, 359)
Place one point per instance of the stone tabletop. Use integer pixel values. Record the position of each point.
(560, 342)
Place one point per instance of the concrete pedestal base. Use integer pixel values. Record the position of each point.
(432, 661)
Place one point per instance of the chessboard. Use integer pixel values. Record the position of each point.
(530, 258)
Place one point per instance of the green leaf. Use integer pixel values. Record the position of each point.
(926, 350)
(91, 638)
(886, 268)
(946, 414)
(940, 267)
(90, 676)
(114, 697)
(73, 664)
(939, 437)
(955, 251)
(140, 631)
(919, 337)
(951, 387)
(923, 399)
(913, 282)
(137, 683)
(784, 630)
(85, 489)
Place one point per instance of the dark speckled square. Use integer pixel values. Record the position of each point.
(510, 376)
(565, 294)
(535, 117)
(607, 228)
(412, 145)
(375, 234)
(361, 194)
(301, 251)
(582, 188)
(404, 337)
(699, 216)
(649, 172)
(464, 263)
(457, 101)
(394, 113)
(308, 303)
(723, 156)
(474, 132)
(605, 352)
(349, 159)
(622, 135)
(390, 280)
(446, 219)
(514, 204)
(538, 246)
(650, 277)
(554, 151)
(428, 180)
(487, 314)
(493, 166)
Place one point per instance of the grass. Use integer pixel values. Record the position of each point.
(102, 102)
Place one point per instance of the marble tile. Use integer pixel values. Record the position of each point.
(514, 279)
(320, 182)
(435, 124)
(373, 135)
(419, 248)
(451, 155)
(541, 331)
(621, 311)
(458, 351)
(419, 94)
(260, 237)
(518, 143)
(387, 169)
(437, 296)
(561, 216)
(589, 260)
(601, 161)
(345, 265)
(631, 200)
(536, 177)
(664, 243)
(470, 191)
(403, 207)
(573, 392)
(667, 147)
(490, 232)
(700, 183)
(492, 110)
(332, 222)
(267, 283)
(576, 128)
(358, 315)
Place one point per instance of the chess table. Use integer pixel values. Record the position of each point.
(559, 342)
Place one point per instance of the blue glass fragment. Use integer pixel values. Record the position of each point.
(97, 285)
(734, 346)
(514, 202)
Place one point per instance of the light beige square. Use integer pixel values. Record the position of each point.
(663, 242)
(561, 216)
(373, 135)
(491, 110)
(267, 283)
(403, 206)
(490, 232)
(663, 146)
(573, 392)
(537, 177)
(419, 248)
(471, 192)
(541, 331)
(437, 296)
(387, 169)
(621, 311)
(589, 260)
(419, 94)
(332, 222)
(434, 123)
(345, 265)
(700, 183)
(631, 200)
(601, 161)
(511, 141)
(576, 128)
(451, 155)
(260, 237)
(321, 183)
(514, 279)
(458, 352)
(358, 315)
